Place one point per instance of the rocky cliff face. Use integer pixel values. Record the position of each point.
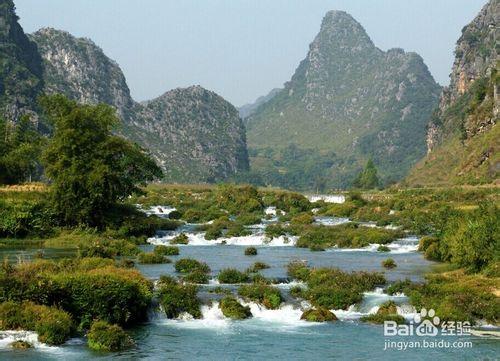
(20, 67)
(79, 69)
(194, 134)
(463, 138)
(347, 101)
(476, 57)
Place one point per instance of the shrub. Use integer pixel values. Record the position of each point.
(387, 308)
(334, 289)
(297, 292)
(237, 230)
(316, 248)
(152, 258)
(389, 263)
(250, 251)
(432, 252)
(268, 296)
(117, 295)
(304, 218)
(231, 308)
(248, 219)
(231, 275)
(275, 230)
(180, 239)
(52, 325)
(107, 248)
(318, 315)
(383, 248)
(166, 250)
(380, 319)
(175, 298)
(196, 276)
(105, 337)
(425, 242)
(398, 287)
(298, 270)
(258, 266)
(186, 265)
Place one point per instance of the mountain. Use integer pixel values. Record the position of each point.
(463, 138)
(194, 134)
(20, 67)
(248, 109)
(347, 102)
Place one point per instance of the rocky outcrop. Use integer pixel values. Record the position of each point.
(79, 69)
(20, 68)
(463, 137)
(476, 57)
(194, 134)
(347, 101)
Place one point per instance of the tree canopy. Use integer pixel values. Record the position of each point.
(91, 169)
(20, 148)
(368, 177)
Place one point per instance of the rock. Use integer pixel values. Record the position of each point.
(231, 308)
(20, 344)
(318, 315)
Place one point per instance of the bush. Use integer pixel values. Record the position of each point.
(248, 219)
(187, 265)
(231, 308)
(268, 296)
(152, 258)
(318, 315)
(105, 337)
(334, 289)
(231, 275)
(389, 263)
(387, 308)
(297, 292)
(304, 218)
(298, 270)
(432, 252)
(250, 251)
(180, 239)
(107, 248)
(175, 298)
(398, 287)
(425, 242)
(316, 248)
(52, 325)
(380, 319)
(275, 230)
(196, 276)
(86, 289)
(166, 250)
(258, 266)
(383, 248)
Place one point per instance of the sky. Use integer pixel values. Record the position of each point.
(241, 49)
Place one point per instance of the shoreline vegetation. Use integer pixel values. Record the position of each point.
(98, 208)
(99, 293)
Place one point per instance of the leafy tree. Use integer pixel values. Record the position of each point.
(20, 150)
(90, 168)
(368, 178)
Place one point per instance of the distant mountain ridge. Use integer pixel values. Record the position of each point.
(248, 109)
(194, 134)
(463, 138)
(348, 101)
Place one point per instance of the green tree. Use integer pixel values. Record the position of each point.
(20, 150)
(90, 168)
(367, 178)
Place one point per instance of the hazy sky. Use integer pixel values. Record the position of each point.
(241, 48)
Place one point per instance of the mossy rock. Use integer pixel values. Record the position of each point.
(383, 248)
(21, 345)
(318, 315)
(389, 263)
(381, 318)
(388, 308)
(250, 251)
(180, 239)
(106, 337)
(231, 308)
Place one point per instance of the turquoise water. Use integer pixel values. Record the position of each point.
(270, 334)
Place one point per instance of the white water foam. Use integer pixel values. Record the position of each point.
(258, 239)
(7, 337)
(332, 198)
(331, 221)
(157, 210)
(400, 246)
